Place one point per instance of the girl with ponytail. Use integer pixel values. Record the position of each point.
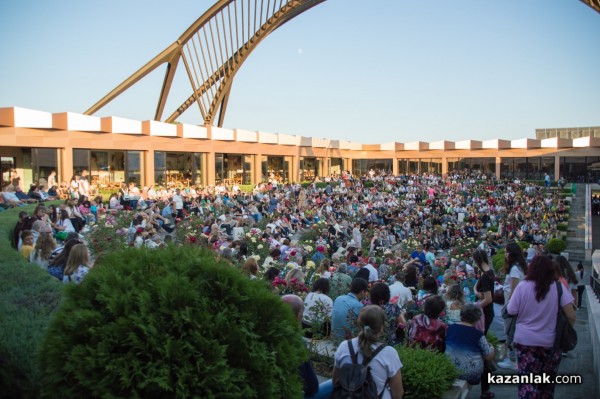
(383, 360)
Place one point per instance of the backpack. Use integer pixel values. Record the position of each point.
(355, 380)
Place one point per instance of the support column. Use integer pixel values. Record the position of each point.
(149, 168)
(296, 171)
(66, 165)
(210, 161)
(258, 177)
(556, 167)
(395, 166)
(498, 169)
(444, 166)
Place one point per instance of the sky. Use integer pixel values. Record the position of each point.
(372, 71)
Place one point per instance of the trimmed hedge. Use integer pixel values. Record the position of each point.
(556, 246)
(173, 323)
(425, 373)
(29, 296)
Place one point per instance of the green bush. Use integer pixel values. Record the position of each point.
(246, 188)
(498, 260)
(425, 374)
(493, 229)
(319, 184)
(29, 297)
(556, 246)
(171, 323)
(562, 226)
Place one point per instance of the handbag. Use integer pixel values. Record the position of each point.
(566, 336)
(510, 323)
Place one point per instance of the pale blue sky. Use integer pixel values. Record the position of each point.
(372, 71)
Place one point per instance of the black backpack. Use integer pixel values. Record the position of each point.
(355, 380)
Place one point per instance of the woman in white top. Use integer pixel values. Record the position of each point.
(77, 266)
(318, 307)
(385, 366)
(44, 247)
(515, 268)
(64, 223)
(455, 301)
(323, 269)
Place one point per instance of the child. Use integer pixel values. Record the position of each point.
(27, 247)
(78, 264)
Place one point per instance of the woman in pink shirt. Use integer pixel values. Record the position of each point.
(535, 303)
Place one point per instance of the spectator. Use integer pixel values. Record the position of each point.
(346, 308)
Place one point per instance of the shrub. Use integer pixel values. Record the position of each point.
(562, 226)
(425, 374)
(523, 244)
(498, 260)
(246, 188)
(29, 297)
(556, 246)
(493, 229)
(171, 323)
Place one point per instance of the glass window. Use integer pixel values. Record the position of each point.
(135, 168)
(198, 169)
(160, 167)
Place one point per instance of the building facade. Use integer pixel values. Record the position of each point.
(117, 150)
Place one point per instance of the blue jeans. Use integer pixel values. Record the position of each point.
(325, 390)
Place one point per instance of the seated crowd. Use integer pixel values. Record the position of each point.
(392, 259)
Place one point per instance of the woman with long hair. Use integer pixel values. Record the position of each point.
(515, 268)
(64, 223)
(323, 269)
(381, 295)
(56, 266)
(383, 360)
(455, 301)
(535, 304)
(44, 246)
(78, 264)
(318, 309)
(567, 275)
(484, 291)
(250, 268)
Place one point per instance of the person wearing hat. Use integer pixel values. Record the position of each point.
(340, 281)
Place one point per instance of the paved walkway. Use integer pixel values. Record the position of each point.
(577, 362)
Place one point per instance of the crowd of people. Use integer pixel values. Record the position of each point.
(381, 258)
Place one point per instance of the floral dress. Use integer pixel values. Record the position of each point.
(466, 346)
(427, 333)
(77, 276)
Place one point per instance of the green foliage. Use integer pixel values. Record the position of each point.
(29, 297)
(562, 226)
(425, 374)
(319, 184)
(556, 246)
(369, 184)
(498, 260)
(523, 244)
(246, 188)
(493, 229)
(171, 323)
(105, 235)
(492, 339)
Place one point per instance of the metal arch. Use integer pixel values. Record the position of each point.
(595, 4)
(211, 91)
